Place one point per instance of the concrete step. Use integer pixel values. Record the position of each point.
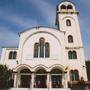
(39, 89)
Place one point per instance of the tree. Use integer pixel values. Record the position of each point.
(88, 69)
(5, 76)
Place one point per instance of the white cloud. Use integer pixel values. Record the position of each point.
(19, 20)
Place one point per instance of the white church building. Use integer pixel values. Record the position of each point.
(47, 57)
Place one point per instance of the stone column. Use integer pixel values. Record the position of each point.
(32, 81)
(18, 80)
(65, 80)
(15, 80)
(48, 81)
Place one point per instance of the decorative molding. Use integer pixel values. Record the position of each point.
(67, 12)
(73, 47)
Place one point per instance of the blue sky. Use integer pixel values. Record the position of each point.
(18, 15)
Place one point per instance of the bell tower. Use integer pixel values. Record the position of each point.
(67, 22)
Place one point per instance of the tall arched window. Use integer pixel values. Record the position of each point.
(68, 22)
(74, 75)
(47, 49)
(70, 39)
(41, 49)
(69, 7)
(63, 7)
(36, 48)
(74, 55)
(11, 55)
(14, 55)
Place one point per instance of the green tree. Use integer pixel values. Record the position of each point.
(88, 69)
(5, 76)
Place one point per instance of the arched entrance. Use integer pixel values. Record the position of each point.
(40, 79)
(56, 78)
(25, 78)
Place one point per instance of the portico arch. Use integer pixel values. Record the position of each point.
(57, 66)
(25, 78)
(40, 66)
(22, 76)
(21, 67)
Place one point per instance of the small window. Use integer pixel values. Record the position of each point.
(10, 55)
(14, 55)
(70, 39)
(68, 22)
(69, 7)
(74, 55)
(70, 54)
(63, 7)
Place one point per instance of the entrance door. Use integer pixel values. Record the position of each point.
(56, 81)
(25, 81)
(40, 81)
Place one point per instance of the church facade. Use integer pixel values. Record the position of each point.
(48, 57)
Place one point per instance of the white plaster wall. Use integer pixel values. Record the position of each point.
(11, 63)
(57, 47)
(73, 30)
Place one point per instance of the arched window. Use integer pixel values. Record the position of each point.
(63, 7)
(69, 7)
(70, 39)
(11, 55)
(74, 75)
(42, 40)
(14, 55)
(46, 49)
(36, 48)
(74, 55)
(68, 22)
(70, 54)
(41, 49)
